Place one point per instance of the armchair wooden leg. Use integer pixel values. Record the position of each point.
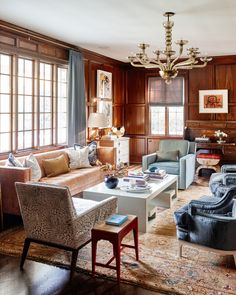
(24, 253)
(73, 262)
(180, 249)
(235, 260)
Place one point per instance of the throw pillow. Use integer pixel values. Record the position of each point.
(32, 162)
(167, 156)
(78, 158)
(55, 166)
(12, 161)
(92, 155)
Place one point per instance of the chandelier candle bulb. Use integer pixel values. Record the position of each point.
(168, 70)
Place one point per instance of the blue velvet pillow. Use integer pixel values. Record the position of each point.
(12, 161)
(92, 156)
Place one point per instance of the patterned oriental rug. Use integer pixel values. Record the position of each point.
(159, 268)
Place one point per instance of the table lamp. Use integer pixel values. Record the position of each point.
(98, 121)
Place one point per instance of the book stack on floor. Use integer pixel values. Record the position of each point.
(157, 174)
(136, 178)
(116, 219)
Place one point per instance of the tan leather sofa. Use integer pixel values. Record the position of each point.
(76, 180)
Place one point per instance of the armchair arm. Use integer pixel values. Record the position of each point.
(228, 169)
(187, 170)
(84, 222)
(147, 160)
(229, 179)
(223, 205)
(8, 177)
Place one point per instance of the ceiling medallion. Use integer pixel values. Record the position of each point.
(168, 68)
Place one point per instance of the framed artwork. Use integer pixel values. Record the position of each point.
(213, 101)
(104, 84)
(105, 106)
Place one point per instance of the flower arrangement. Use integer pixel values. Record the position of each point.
(220, 135)
(120, 171)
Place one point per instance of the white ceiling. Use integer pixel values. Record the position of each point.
(115, 27)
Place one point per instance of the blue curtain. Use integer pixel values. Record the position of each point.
(76, 100)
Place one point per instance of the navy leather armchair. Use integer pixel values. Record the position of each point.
(221, 182)
(209, 222)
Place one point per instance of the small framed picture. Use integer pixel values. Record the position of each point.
(104, 84)
(213, 101)
(105, 106)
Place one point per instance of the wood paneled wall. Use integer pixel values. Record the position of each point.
(219, 74)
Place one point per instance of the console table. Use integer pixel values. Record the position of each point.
(227, 150)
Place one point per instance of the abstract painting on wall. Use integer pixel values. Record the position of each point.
(213, 101)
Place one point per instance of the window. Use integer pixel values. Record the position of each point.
(33, 103)
(5, 102)
(166, 106)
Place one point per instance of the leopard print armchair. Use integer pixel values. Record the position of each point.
(51, 216)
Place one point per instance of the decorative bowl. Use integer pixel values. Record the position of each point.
(111, 181)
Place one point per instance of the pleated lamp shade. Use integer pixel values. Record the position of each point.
(97, 120)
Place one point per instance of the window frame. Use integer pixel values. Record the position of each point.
(14, 101)
(185, 98)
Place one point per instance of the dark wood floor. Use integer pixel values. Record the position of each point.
(38, 278)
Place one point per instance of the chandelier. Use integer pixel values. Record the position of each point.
(168, 69)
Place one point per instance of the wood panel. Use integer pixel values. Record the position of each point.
(119, 84)
(135, 119)
(135, 81)
(230, 116)
(200, 79)
(193, 113)
(137, 149)
(118, 116)
(225, 79)
(152, 145)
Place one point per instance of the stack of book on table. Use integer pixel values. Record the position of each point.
(137, 178)
(116, 219)
(157, 174)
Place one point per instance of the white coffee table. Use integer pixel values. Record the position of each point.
(162, 193)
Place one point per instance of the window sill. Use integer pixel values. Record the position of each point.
(27, 152)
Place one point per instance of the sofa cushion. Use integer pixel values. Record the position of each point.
(32, 162)
(55, 166)
(167, 156)
(82, 205)
(77, 180)
(50, 155)
(78, 158)
(13, 161)
(170, 167)
(92, 155)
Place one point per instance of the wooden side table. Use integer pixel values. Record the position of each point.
(1, 212)
(114, 234)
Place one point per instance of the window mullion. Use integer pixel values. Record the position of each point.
(14, 106)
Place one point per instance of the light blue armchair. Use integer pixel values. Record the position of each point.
(182, 165)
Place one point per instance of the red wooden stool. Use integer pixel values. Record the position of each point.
(114, 234)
